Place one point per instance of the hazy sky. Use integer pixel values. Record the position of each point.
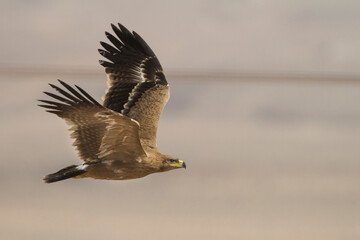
(292, 36)
(270, 161)
(266, 160)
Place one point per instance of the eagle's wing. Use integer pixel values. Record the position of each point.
(137, 85)
(99, 133)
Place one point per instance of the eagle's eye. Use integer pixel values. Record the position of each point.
(173, 160)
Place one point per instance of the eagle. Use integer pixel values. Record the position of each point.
(116, 139)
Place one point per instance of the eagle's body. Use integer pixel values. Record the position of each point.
(117, 139)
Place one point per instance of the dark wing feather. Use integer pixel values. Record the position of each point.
(99, 133)
(131, 62)
(137, 84)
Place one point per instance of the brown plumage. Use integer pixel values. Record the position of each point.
(117, 139)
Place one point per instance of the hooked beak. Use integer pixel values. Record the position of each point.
(180, 164)
(183, 165)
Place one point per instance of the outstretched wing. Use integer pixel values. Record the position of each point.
(137, 85)
(99, 133)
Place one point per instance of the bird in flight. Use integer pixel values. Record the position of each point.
(116, 139)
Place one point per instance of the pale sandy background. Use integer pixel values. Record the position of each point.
(270, 157)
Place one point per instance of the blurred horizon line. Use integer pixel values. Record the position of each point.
(193, 75)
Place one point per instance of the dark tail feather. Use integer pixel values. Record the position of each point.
(65, 173)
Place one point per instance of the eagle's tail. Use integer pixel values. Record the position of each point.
(65, 173)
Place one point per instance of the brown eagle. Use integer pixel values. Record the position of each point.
(117, 139)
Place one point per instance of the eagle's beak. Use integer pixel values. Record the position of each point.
(180, 164)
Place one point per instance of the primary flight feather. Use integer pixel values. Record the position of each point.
(117, 139)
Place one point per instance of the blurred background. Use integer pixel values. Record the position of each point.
(264, 109)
